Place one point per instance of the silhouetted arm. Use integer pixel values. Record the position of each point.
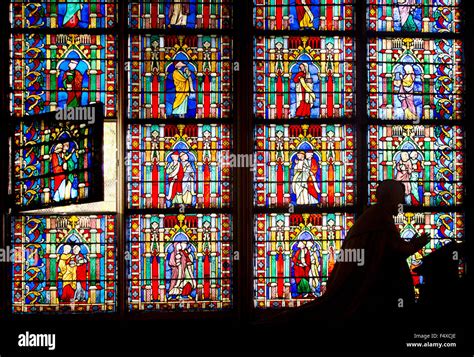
(398, 245)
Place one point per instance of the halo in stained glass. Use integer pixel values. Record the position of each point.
(64, 264)
(303, 77)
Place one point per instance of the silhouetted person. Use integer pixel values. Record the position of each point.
(380, 284)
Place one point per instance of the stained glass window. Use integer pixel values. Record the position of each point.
(164, 14)
(179, 261)
(418, 78)
(173, 165)
(414, 15)
(303, 14)
(427, 159)
(51, 71)
(294, 255)
(54, 14)
(180, 76)
(58, 162)
(304, 165)
(66, 264)
(303, 77)
(415, 78)
(443, 227)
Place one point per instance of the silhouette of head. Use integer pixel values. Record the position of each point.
(390, 194)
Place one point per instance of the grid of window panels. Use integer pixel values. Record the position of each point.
(178, 152)
(418, 80)
(302, 158)
(63, 60)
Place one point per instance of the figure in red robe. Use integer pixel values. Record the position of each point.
(72, 81)
(305, 96)
(301, 260)
(175, 173)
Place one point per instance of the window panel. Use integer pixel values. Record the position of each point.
(199, 14)
(304, 165)
(180, 76)
(303, 77)
(414, 78)
(57, 162)
(414, 15)
(179, 262)
(64, 264)
(443, 227)
(57, 70)
(294, 255)
(171, 165)
(303, 15)
(52, 14)
(429, 160)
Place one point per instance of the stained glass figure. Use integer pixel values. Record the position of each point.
(179, 262)
(415, 78)
(443, 227)
(304, 165)
(429, 160)
(51, 71)
(198, 14)
(174, 165)
(414, 15)
(64, 264)
(53, 14)
(304, 14)
(58, 162)
(294, 255)
(303, 77)
(180, 77)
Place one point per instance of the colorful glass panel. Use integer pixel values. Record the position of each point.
(52, 14)
(199, 14)
(414, 15)
(57, 162)
(443, 227)
(180, 77)
(171, 165)
(64, 264)
(427, 159)
(57, 71)
(303, 14)
(304, 165)
(180, 262)
(294, 255)
(415, 79)
(303, 77)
